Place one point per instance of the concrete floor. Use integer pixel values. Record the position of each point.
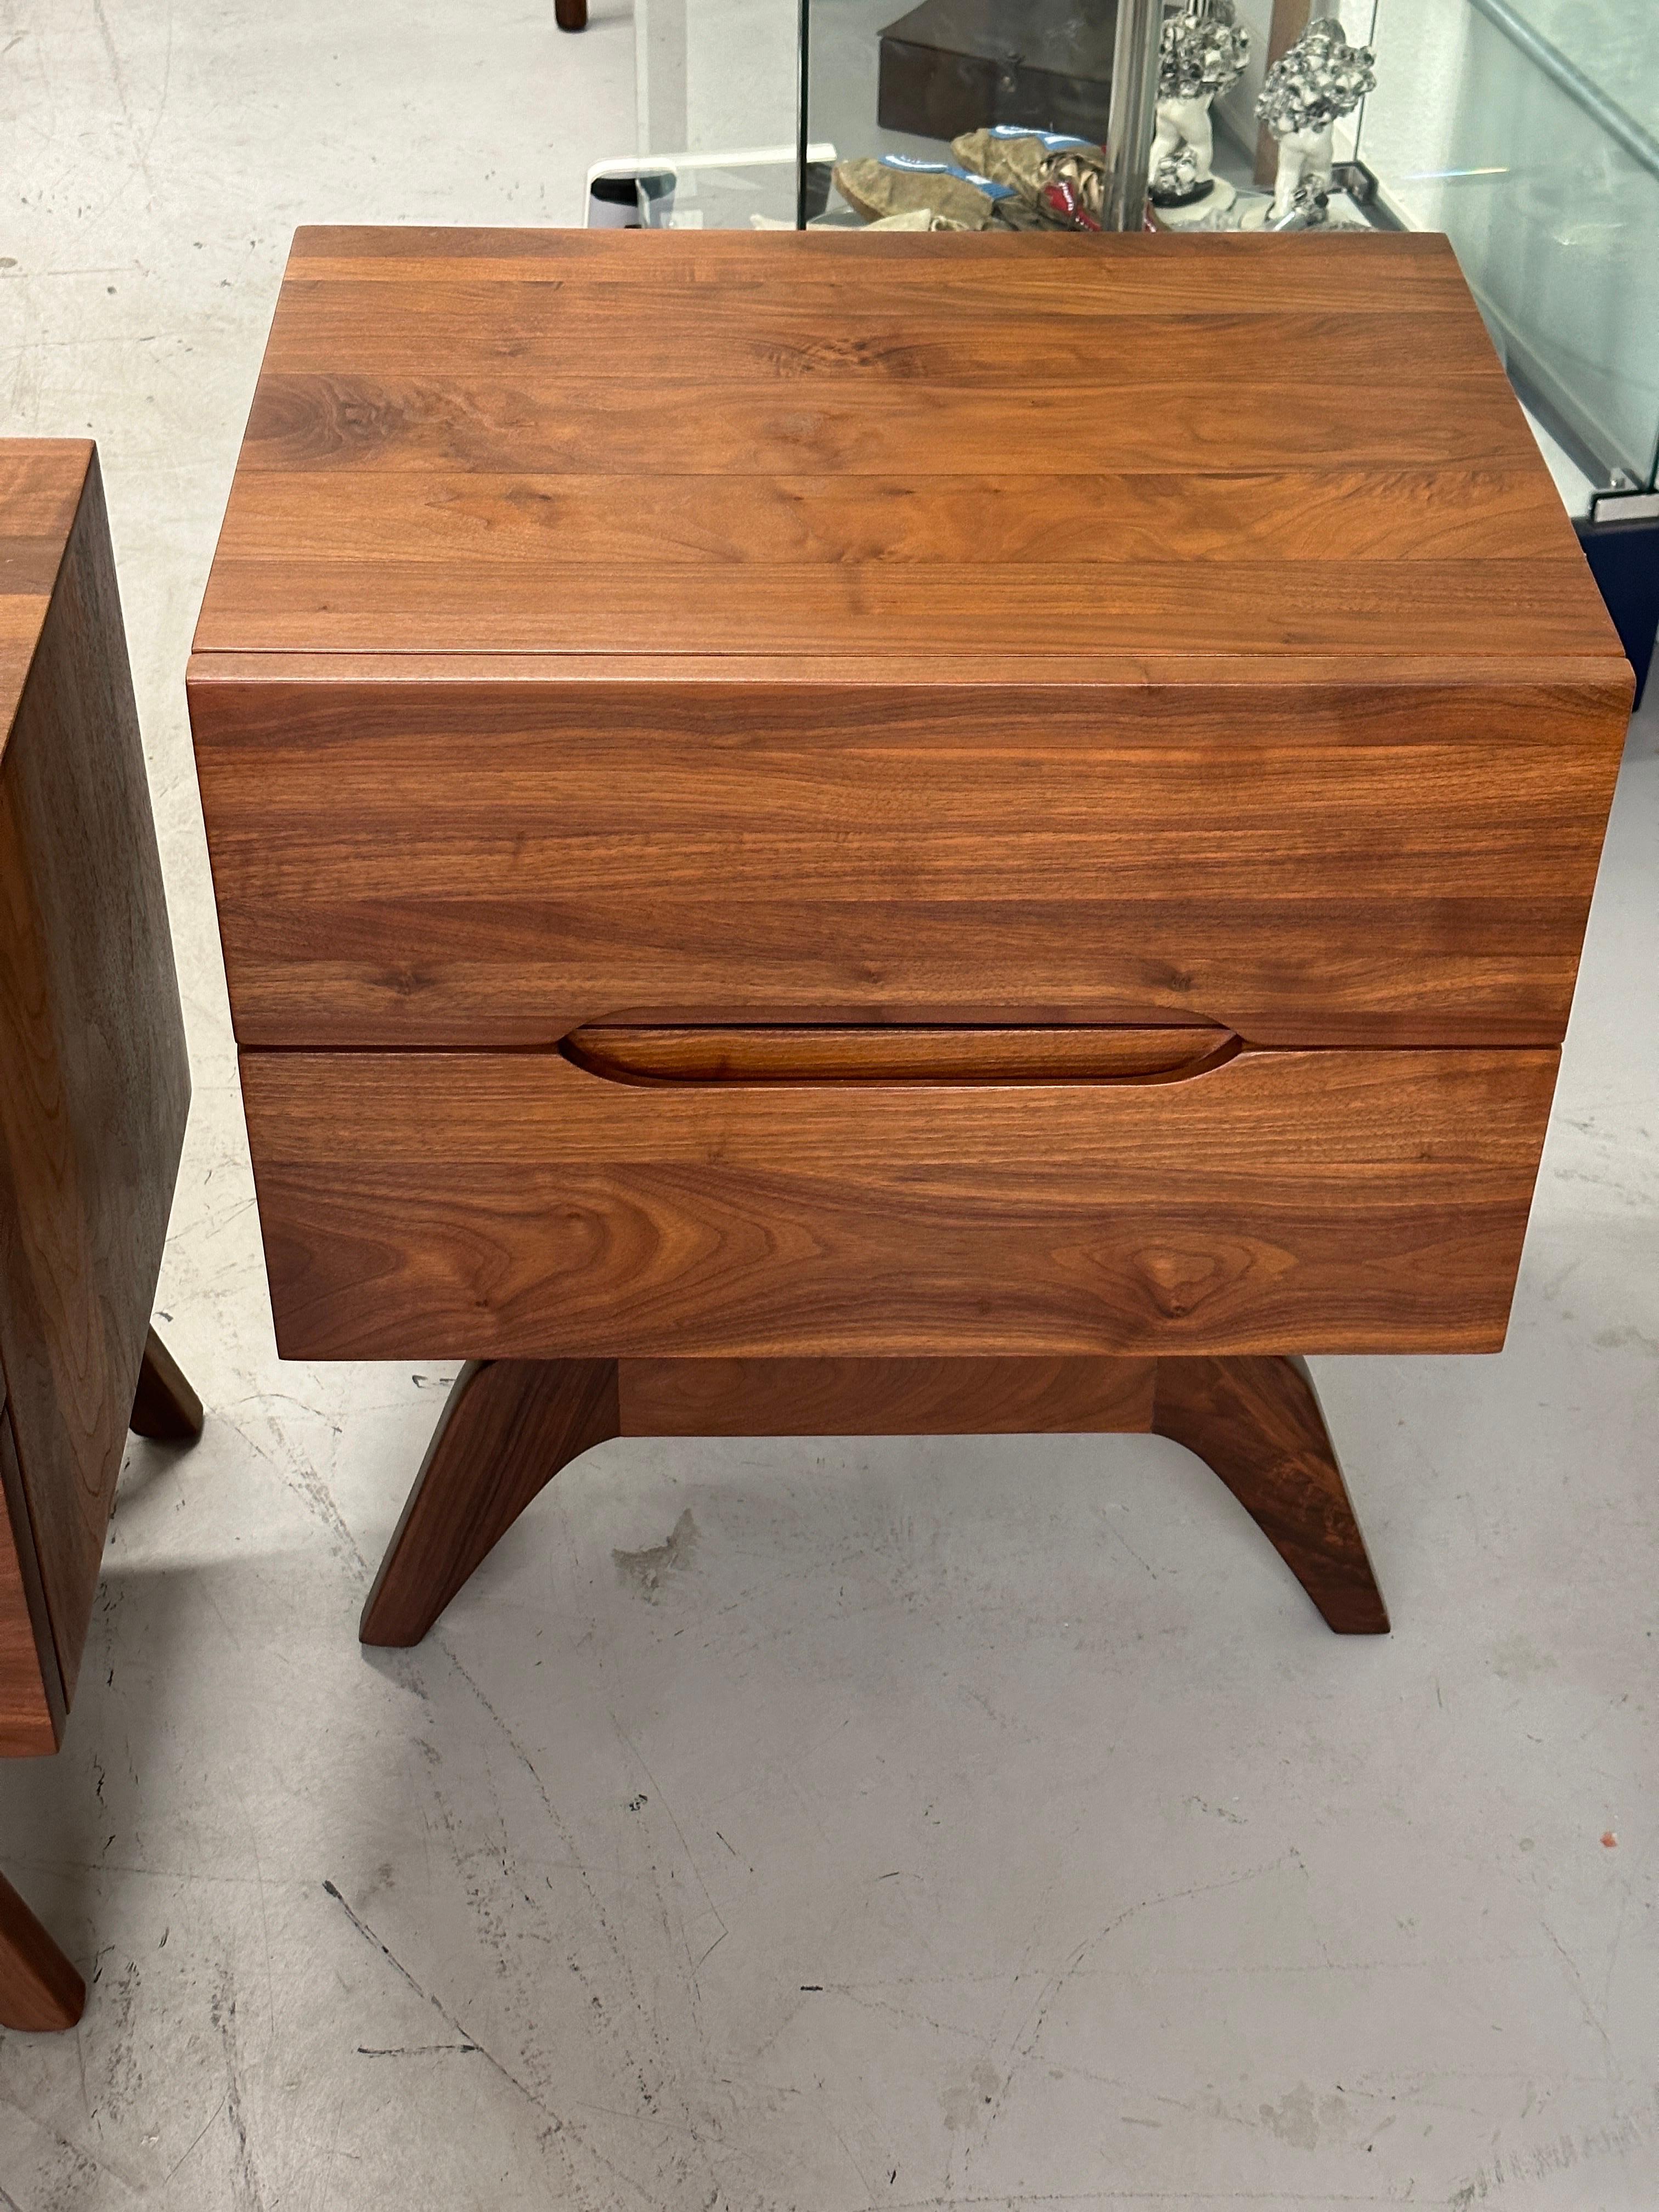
(954, 1823)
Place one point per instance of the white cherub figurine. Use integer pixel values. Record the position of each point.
(1320, 79)
(1201, 52)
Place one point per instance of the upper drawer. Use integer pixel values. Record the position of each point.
(491, 853)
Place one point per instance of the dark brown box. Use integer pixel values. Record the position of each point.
(954, 66)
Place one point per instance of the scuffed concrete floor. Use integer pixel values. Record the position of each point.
(945, 1823)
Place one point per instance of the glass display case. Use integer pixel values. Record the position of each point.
(884, 77)
(746, 111)
(1527, 130)
(717, 119)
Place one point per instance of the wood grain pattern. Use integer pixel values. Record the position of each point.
(511, 1425)
(1256, 1423)
(779, 1053)
(423, 860)
(40, 483)
(883, 1397)
(381, 429)
(93, 1081)
(32, 1710)
(1058, 269)
(41, 1992)
(877, 608)
(478, 1205)
(500, 523)
(480, 326)
(433, 456)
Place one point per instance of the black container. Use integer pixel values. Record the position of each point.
(1624, 559)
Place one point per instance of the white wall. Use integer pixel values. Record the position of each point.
(1408, 126)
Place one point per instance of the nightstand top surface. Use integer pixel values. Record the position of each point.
(1057, 452)
(40, 485)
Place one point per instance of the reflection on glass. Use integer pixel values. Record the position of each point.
(1525, 129)
(967, 111)
(982, 106)
(716, 89)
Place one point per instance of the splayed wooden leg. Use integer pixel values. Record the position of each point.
(164, 1407)
(508, 1428)
(1256, 1423)
(511, 1424)
(41, 1993)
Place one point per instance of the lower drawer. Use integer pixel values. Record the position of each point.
(473, 1205)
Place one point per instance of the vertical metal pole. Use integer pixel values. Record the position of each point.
(1134, 117)
(803, 106)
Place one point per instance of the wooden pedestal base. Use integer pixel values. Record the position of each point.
(511, 1424)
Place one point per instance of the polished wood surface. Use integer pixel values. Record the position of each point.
(496, 522)
(1128, 673)
(32, 1710)
(93, 1081)
(1257, 1424)
(430, 444)
(41, 483)
(508, 1427)
(41, 1993)
(836, 607)
(464, 855)
(468, 1205)
(883, 1397)
(164, 1406)
(511, 1425)
(824, 1053)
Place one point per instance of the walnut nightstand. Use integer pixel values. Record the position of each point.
(94, 1087)
(877, 833)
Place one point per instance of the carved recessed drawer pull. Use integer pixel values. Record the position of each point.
(820, 1054)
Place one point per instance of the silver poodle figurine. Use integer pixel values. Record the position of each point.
(1201, 52)
(1308, 89)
